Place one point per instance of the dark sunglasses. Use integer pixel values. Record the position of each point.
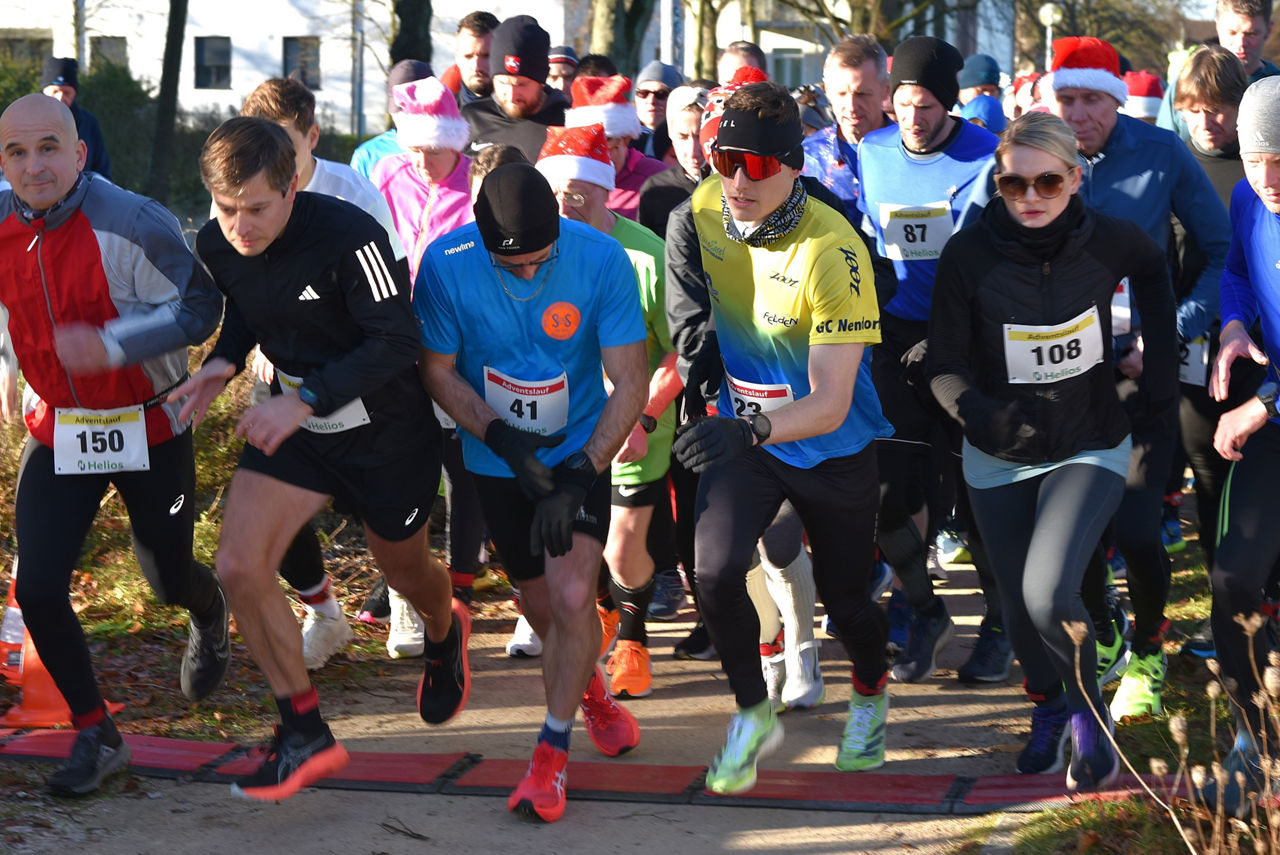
(757, 166)
(660, 94)
(1048, 184)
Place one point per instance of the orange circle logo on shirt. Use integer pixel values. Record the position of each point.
(561, 320)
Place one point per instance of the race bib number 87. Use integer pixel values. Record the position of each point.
(1052, 353)
(915, 232)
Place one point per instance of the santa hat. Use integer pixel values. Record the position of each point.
(603, 101)
(1083, 62)
(428, 116)
(1145, 93)
(715, 104)
(580, 153)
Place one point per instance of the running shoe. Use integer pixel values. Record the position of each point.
(629, 670)
(612, 729)
(293, 762)
(919, 660)
(524, 642)
(1200, 643)
(1116, 565)
(668, 596)
(774, 667)
(696, 645)
(377, 606)
(92, 761)
(882, 579)
(208, 653)
(899, 621)
(802, 688)
(991, 658)
(1046, 748)
(952, 548)
(753, 735)
(1113, 657)
(829, 627)
(1171, 525)
(446, 677)
(408, 633)
(862, 744)
(933, 565)
(1243, 758)
(322, 636)
(609, 620)
(1094, 763)
(540, 795)
(1140, 688)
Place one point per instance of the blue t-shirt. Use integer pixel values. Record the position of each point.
(914, 201)
(373, 150)
(1251, 279)
(531, 349)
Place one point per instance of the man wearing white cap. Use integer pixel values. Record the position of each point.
(603, 101)
(576, 163)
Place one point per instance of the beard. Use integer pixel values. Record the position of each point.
(480, 88)
(521, 111)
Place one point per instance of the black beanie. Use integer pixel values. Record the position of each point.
(520, 47)
(404, 71)
(516, 210)
(928, 62)
(61, 71)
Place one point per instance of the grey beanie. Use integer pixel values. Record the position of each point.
(668, 75)
(1259, 122)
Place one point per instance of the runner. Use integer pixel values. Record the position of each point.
(314, 282)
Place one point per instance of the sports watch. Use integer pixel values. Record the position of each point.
(580, 462)
(1267, 395)
(648, 423)
(308, 397)
(760, 426)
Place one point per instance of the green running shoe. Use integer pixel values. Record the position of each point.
(1113, 658)
(862, 745)
(1140, 688)
(754, 734)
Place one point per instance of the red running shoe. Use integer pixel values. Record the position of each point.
(541, 794)
(612, 729)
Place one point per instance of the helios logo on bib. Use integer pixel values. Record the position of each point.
(561, 320)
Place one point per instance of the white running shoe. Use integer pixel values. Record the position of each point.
(775, 676)
(408, 636)
(524, 642)
(322, 636)
(936, 570)
(804, 688)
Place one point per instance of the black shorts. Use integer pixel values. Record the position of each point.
(651, 495)
(509, 516)
(393, 498)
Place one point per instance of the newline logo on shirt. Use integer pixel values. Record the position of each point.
(460, 247)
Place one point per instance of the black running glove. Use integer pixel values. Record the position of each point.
(913, 363)
(553, 517)
(706, 372)
(517, 448)
(994, 426)
(704, 443)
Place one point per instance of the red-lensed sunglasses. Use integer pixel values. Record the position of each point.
(757, 166)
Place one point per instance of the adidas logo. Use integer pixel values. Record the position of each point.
(308, 293)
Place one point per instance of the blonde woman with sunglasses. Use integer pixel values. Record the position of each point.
(1020, 353)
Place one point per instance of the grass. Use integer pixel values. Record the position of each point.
(1120, 827)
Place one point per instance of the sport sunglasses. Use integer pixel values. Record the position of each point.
(1048, 184)
(757, 166)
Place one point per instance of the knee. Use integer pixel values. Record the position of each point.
(570, 598)
(1046, 612)
(237, 571)
(1235, 589)
(35, 598)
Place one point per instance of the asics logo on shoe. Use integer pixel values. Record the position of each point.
(177, 505)
(308, 293)
(412, 516)
(559, 782)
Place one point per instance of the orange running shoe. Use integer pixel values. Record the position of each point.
(541, 794)
(293, 762)
(609, 619)
(612, 729)
(629, 666)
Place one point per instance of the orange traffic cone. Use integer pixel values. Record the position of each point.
(41, 704)
(11, 630)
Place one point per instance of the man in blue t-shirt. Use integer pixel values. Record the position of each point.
(519, 312)
(913, 177)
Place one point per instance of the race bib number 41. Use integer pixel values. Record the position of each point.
(538, 406)
(90, 442)
(1052, 353)
(915, 232)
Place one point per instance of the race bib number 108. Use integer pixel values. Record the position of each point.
(1054, 352)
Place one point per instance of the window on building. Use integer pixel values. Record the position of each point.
(302, 59)
(788, 66)
(108, 50)
(213, 62)
(25, 46)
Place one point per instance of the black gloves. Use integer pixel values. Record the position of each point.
(994, 426)
(704, 443)
(517, 448)
(913, 363)
(554, 515)
(706, 372)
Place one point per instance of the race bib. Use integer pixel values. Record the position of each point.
(1121, 313)
(1194, 367)
(446, 423)
(915, 232)
(348, 416)
(750, 398)
(88, 442)
(538, 406)
(1048, 354)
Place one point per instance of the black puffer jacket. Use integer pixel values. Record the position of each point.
(988, 276)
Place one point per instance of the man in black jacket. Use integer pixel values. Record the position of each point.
(61, 80)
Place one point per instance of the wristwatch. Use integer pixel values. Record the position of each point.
(760, 426)
(648, 423)
(580, 462)
(1267, 395)
(307, 397)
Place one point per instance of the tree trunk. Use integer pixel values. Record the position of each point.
(167, 104)
(413, 33)
(617, 30)
(708, 14)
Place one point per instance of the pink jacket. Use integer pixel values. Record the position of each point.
(625, 197)
(422, 211)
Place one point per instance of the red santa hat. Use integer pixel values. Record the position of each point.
(428, 116)
(603, 101)
(715, 104)
(580, 153)
(1083, 62)
(1145, 93)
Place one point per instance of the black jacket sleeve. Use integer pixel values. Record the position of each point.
(1152, 291)
(687, 301)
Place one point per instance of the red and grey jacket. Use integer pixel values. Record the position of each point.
(116, 260)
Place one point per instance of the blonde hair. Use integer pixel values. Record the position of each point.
(1043, 131)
